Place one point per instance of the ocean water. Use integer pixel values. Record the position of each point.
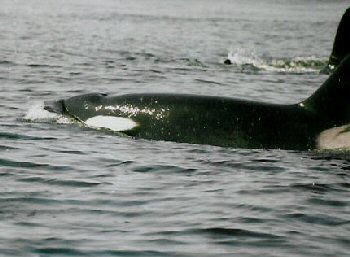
(67, 190)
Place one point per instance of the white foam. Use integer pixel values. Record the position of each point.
(241, 56)
(244, 56)
(37, 113)
(111, 122)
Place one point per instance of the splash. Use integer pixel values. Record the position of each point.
(37, 113)
(297, 64)
(243, 58)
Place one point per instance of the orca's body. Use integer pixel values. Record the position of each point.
(221, 121)
(201, 119)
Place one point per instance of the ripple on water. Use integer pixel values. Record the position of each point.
(32, 165)
(162, 168)
(316, 219)
(60, 182)
(16, 136)
(322, 188)
(6, 147)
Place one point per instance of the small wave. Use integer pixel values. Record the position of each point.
(59, 182)
(31, 165)
(208, 81)
(5, 147)
(248, 60)
(60, 251)
(38, 65)
(162, 168)
(14, 136)
(322, 188)
(7, 63)
(320, 219)
(236, 232)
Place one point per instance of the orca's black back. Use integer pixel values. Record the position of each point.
(341, 45)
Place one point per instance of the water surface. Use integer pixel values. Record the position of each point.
(67, 190)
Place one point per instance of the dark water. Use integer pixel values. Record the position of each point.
(72, 191)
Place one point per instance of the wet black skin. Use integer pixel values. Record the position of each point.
(203, 119)
(223, 121)
(341, 44)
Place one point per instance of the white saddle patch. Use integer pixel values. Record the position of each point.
(111, 122)
(335, 138)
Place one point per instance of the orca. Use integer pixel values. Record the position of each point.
(220, 121)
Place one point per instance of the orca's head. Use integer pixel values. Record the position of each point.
(63, 106)
(55, 106)
(93, 98)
